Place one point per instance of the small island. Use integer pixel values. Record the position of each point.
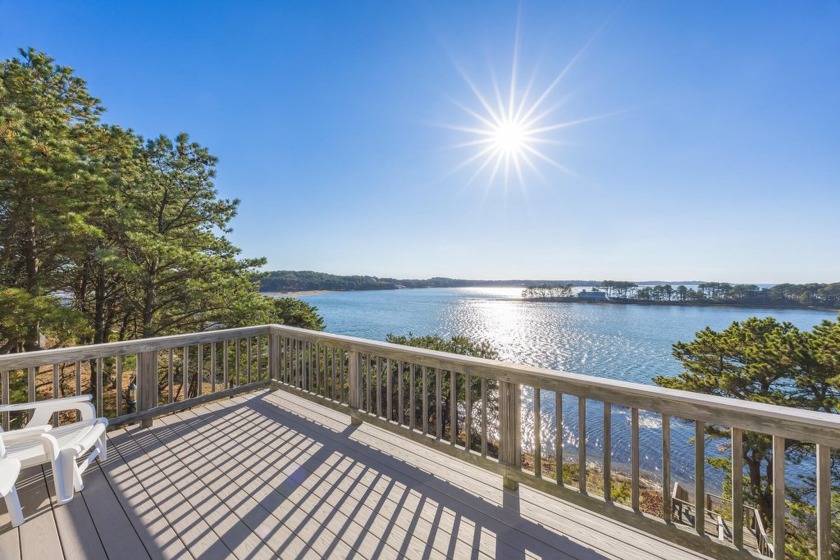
(807, 296)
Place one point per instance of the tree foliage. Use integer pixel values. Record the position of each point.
(763, 360)
(104, 235)
(49, 175)
(295, 313)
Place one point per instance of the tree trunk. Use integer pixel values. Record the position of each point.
(32, 341)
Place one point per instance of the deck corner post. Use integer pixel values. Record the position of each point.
(147, 384)
(354, 375)
(510, 426)
(274, 355)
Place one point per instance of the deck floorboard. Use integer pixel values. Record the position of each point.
(269, 474)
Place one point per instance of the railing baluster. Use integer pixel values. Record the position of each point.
(248, 358)
(453, 408)
(289, 361)
(425, 401)
(484, 417)
(30, 397)
(607, 452)
(537, 434)
(389, 401)
(558, 437)
(582, 444)
(343, 376)
(55, 392)
(778, 497)
(699, 478)
(301, 365)
(823, 502)
(119, 383)
(366, 363)
(273, 356)
(263, 358)
(737, 487)
(377, 372)
(634, 458)
(238, 358)
(185, 373)
(317, 350)
(312, 368)
(438, 404)
(292, 362)
(100, 390)
(468, 384)
(259, 372)
(400, 395)
(199, 370)
(170, 376)
(310, 374)
(226, 357)
(412, 398)
(666, 468)
(304, 365)
(336, 394)
(212, 367)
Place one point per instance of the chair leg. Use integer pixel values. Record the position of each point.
(77, 477)
(13, 505)
(64, 475)
(103, 448)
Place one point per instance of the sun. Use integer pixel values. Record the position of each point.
(509, 137)
(513, 127)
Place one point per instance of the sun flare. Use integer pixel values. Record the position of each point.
(512, 131)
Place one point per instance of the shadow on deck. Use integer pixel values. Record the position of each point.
(271, 475)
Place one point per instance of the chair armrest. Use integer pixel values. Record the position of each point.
(43, 410)
(33, 432)
(17, 436)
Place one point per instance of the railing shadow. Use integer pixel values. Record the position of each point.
(339, 496)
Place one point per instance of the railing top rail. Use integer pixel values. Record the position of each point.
(791, 423)
(81, 353)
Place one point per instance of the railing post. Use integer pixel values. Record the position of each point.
(354, 374)
(147, 384)
(274, 355)
(510, 429)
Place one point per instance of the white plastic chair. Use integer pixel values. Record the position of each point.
(10, 468)
(62, 446)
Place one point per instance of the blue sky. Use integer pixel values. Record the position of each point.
(709, 146)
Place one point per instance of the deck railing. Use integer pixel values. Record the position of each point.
(136, 380)
(467, 407)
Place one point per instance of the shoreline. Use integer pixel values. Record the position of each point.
(304, 293)
(298, 293)
(677, 303)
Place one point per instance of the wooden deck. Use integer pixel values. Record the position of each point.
(269, 475)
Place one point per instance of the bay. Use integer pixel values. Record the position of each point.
(624, 342)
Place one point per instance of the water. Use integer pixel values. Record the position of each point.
(625, 342)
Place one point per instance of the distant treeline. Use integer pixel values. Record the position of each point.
(781, 295)
(305, 280)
